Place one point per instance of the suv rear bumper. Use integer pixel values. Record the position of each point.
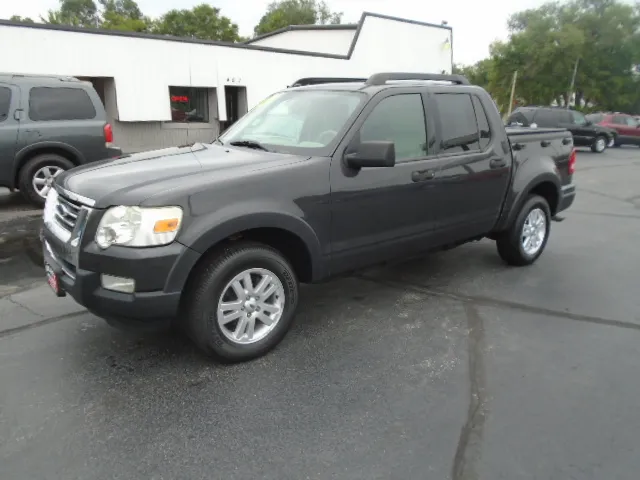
(139, 310)
(567, 196)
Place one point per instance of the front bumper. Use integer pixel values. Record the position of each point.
(567, 196)
(159, 273)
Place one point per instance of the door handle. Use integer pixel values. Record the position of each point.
(519, 146)
(498, 163)
(422, 175)
(545, 143)
(566, 141)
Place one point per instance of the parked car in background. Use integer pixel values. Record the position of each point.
(49, 124)
(627, 126)
(215, 237)
(585, 133)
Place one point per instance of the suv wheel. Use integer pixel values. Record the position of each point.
(525, 241)
(241, 302)
(599, 144)
(36, 176)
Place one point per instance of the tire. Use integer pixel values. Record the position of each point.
(511, 245)
(36, 167)
(599, 144)
(211, 285)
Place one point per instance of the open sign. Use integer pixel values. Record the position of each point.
(179, 98)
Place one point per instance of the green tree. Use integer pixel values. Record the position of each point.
(79, 13)
(202, 21)
(281, 14)
(123, 15)
(18, 18)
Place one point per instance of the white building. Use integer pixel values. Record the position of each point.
(161, 91)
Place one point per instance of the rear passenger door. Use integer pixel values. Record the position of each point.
(387, 212)
(473, 171)
(63, 115)
(9, 128)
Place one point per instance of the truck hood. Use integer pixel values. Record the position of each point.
(130, 179)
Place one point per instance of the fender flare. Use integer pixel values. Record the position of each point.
(29, 150)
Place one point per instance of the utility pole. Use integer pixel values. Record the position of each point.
(573, 81)
(513, 92)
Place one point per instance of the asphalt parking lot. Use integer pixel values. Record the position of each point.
(450, 367)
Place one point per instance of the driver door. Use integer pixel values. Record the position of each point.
(382, 213)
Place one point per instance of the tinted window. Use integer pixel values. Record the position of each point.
(578, 118)
(5, 100)
(189, 104)
(619, 120)
(595, 117)
(458, 119)
(399, 119)
(59, 103)
(546, 118)
(483, 123)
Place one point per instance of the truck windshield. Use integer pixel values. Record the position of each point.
(295, 121)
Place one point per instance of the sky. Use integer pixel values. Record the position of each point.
(475, 23)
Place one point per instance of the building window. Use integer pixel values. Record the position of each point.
(189, 104)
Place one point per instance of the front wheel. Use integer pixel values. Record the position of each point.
(525, 241)
(599, 144)
(242, 302)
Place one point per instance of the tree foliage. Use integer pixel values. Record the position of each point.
(544, 45)
(202, 21)
(281, 14)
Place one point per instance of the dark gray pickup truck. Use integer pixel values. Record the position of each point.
(316, 181)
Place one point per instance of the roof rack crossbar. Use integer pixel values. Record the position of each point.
(383, 78)
(320, 80)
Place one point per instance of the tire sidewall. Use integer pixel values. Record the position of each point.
(210, 334)
(595, 143)
(531, 204)
(30, 169)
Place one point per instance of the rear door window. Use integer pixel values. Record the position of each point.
(483, 123)
(60, 103)
(5, 102)
(546, 119)
(458, 122)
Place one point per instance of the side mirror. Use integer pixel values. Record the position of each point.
(372, 154)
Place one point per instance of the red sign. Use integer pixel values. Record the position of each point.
(179, 98)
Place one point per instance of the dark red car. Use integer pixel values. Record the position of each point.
(627, 126)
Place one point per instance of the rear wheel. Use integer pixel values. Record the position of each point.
(525, 241)
(599, 144)
(36, 176)
(242, 302)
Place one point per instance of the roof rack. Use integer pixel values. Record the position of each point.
(383, 78)
(320, 80)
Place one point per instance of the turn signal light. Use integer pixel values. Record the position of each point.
(166, 226)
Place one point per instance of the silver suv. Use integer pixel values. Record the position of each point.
(49, 124)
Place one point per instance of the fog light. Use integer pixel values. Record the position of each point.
(118, 284)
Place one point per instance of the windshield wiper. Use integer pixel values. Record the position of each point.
(249, 144)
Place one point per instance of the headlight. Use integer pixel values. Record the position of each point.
(138, 226)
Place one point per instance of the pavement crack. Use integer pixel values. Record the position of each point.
(605, 195)
(494, 302)
(17, 303)
(468, 452)
(45, 321)
(606, 214)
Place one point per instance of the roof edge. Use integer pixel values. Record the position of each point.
(240, 45)
(294, 28)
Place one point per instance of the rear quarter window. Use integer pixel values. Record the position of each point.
(60, 103)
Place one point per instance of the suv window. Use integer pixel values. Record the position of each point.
(546, 118)
(399, 119)
(595, 117)
(5, 101)
(578, 118)
(483, 123)
(458, 119)
(47, 103)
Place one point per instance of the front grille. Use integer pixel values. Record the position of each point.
(66, 213)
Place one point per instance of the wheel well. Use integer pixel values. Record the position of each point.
(39, 151)
(288, 244)
(549, 192)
